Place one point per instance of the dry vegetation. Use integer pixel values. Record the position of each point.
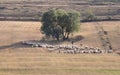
(16, 59)
(33, 9)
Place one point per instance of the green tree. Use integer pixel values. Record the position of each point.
(71, 23)
(59, 23)
(50, 20)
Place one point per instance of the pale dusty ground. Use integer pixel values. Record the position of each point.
(18, 60)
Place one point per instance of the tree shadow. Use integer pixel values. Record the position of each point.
(51, 42)
(55, 42)
(14, 45)
(76, 39)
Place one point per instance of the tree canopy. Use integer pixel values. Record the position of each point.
(59, 23)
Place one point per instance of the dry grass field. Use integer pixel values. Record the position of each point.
(16, 59)
(33, 9)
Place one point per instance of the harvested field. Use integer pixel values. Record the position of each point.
(16, 59)
(30, 62)
(23, 31)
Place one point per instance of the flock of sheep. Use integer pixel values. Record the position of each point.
(67, 49)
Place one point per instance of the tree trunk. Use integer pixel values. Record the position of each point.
(57, 37)
(64, 35)
(68, 35)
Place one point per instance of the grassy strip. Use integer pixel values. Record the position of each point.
(63, 71)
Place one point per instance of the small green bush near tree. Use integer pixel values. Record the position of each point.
(59, 23)
(89, 16)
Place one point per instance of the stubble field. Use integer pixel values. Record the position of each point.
(16, 59)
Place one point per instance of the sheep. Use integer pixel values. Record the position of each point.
(35, 45)
(71, 49)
